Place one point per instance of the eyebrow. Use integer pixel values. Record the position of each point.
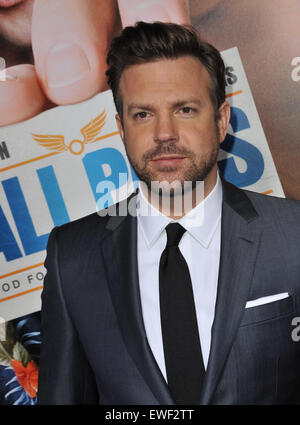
(132, 106)
(175, 104)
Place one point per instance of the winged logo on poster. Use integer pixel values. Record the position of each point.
(56, 142)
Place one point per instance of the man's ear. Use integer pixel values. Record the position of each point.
(120, 126)
(223, 120)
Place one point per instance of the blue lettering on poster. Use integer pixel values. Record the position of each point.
(242, 149)
(30, 241)
(94, 163)
(53, 195)
(8, 243)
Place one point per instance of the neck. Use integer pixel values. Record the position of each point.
(177, 205)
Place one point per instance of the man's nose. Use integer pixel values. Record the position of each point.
(165, 129)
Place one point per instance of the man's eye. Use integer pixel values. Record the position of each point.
(141, 115)
(187, 110)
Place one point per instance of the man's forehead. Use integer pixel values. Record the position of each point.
(160, 64)
(186, 71)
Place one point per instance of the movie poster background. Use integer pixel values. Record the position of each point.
(266, 35)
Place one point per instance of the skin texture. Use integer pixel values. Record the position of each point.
(168, 127)
(69, 40)
(15, 35)
(23, 86)
(15, 23)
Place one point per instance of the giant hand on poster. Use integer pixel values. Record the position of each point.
(44, 185)
(69, 43)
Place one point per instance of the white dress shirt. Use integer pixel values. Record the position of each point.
(200, 246)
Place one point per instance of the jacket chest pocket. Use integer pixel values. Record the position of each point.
(270, 311)
(265, 354)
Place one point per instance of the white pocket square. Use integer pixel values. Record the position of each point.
(266, 300)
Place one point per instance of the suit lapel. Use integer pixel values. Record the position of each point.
(239, 247)
(119, 249)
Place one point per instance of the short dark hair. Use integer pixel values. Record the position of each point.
(148, 42)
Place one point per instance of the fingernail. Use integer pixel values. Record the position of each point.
(66, 63)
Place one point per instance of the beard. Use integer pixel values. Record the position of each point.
(197, 170)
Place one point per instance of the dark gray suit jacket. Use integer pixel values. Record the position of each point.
(95, 348)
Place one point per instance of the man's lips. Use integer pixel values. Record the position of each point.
(9, 3)
(168, 160)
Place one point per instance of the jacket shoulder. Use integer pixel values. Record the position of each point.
(261, 202)
(273, 205)
(271, 210)
(84, 232)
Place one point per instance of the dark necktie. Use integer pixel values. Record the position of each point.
(182, 349)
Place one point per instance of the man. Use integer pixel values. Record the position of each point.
(173, 307)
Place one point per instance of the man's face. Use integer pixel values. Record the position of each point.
(15, 21)
(169, 127)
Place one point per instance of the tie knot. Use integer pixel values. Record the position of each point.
(174, 233)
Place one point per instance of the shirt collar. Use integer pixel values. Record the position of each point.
(201, 222)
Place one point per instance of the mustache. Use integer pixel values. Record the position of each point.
(166, 149)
